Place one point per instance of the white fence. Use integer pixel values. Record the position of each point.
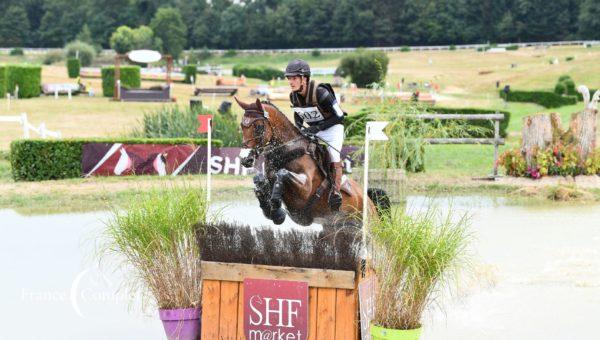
(27, 127)
(110, 52)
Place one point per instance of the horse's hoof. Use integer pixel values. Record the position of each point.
(278, 216)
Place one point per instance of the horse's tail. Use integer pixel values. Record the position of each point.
(380, 199)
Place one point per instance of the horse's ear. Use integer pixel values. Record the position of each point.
(260, 107)
(240, 103)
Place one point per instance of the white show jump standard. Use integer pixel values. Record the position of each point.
(22, 119)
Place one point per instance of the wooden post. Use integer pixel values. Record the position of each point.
(117, 76)
(496, 143)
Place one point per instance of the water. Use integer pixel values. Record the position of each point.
(537, 275)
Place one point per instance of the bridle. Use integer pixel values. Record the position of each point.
(251, 117)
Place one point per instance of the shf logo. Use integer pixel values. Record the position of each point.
(275, 309)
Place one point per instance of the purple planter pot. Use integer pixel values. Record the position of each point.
(181, 324)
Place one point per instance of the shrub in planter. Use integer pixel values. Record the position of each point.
(365, 67)
(84, 51)
(130, 78)
(155, 237)
(73, 67)
(27, 77)
(415, 258)
(189, 71)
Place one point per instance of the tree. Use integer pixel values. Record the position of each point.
(14, 27)
(589, 19)
(143, 38)
(85, 35)
(168, 26)
(122, 40)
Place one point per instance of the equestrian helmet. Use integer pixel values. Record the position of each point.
(297, 67)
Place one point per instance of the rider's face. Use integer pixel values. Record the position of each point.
(296, 82)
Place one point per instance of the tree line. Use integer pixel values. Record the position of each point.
(302, 24)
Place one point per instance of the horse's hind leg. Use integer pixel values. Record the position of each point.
(262, 190)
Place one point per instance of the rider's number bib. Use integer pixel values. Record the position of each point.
(309, 114)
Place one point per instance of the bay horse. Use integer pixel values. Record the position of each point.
(295, 172)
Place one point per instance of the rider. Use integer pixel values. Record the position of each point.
(315, 104)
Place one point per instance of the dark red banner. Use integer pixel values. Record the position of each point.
(275, 309)
(107, 159)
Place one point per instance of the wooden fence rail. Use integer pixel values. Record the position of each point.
(496, 141)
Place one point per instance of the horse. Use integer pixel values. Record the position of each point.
(296, 172)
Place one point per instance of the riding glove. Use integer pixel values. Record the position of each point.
(311, 129)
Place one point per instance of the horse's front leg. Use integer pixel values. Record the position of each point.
(282, 177)
(262, 191)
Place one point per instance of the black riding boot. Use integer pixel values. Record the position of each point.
(335, 196)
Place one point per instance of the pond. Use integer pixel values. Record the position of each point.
(537, 275)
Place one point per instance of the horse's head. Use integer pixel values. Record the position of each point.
(257, 130)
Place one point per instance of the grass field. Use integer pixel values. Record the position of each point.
(466, 79)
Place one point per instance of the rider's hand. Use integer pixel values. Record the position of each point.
(311, 129)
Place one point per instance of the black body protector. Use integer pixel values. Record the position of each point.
(319, 109)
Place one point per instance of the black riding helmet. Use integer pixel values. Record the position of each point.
(297, 67)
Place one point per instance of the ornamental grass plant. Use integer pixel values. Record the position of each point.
(416, 257)
(155, 239)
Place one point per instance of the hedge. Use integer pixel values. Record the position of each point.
(189, 71)
(28, 77)
(544, 98)
(260, 72)
(2, 81)
(130, 78)
(43, 159)
(73, 67)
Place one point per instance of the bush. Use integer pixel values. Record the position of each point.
(73, 67)
(569, 58)
(257, 71)
(43, 159)
(543, 98)
(315, 53)
(365, 67)
(3, 74)
(130, 78)
(28, 77)
(200, 55)
(512, 47)
(404, 49)
(175, 122)
(53, 57)
(229, 54)
(560, 88)
(452, 48)
(564, 77)
(16, 51)
(189, 71)
(87, 53)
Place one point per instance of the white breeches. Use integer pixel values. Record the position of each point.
(335, 137)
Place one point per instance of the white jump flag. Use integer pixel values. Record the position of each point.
(374, 131)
